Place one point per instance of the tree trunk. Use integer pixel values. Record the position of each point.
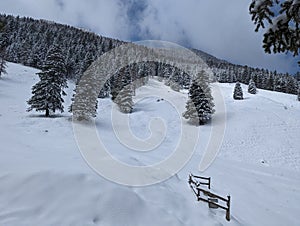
(47, 113)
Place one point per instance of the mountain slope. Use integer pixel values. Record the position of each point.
(45, 181)
(27, 41)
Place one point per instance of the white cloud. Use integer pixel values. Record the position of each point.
(102, 16)
(222, 28)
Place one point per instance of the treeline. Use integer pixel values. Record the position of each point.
(226, 72)
(27, 41)
(264, 79)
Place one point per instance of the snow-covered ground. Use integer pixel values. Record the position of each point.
(45, 181)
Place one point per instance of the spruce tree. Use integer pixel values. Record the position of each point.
(124, 99)
(105, 91)
(281, 21)
(200, 106)
(3, 45)
(299, 92)
(2, 66)
(238, 92)
(252, 87)
(47, 93)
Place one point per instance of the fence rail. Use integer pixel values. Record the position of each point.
(195, 186)
(198, 183)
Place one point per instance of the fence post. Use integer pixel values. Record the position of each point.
(228, 209)
(209, 183)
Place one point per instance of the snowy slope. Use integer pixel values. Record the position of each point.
(263, 127)
(45, 181)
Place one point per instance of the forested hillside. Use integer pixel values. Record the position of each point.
(226, 72)
(27, 41)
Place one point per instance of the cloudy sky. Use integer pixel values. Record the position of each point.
(221, 28)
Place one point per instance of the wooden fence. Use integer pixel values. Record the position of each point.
(193, 180)
(195, 184)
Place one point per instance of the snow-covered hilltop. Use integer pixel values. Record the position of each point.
(45, 181)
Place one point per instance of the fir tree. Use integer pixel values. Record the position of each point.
(124, 99)
(270, 81)
(119, 81)
(252, 87)
(2, 66)
(299, 92)
(279, 83)
(105, 91)
(200, 106)
(281, 20)
(3, 45)
(223, 77)
(47, 93)
(238, 92)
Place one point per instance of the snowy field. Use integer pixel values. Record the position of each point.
(45, 181)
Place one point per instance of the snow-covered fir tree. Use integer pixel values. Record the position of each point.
(47, 93)
(200, 106)
(124, 99)
(238, 92)
(291, 84)
(83, 107)
(281, 20)
(3, 44)
(118, 81)
(105, 91)
(2, 66)
(175, 86)
(252, 87)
